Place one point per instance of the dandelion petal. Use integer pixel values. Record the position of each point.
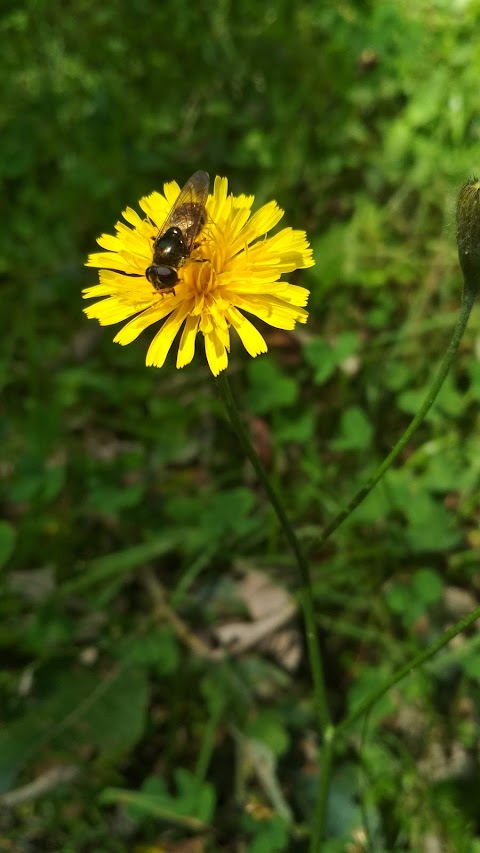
(163, 340)
(250, 337)
(186, 348)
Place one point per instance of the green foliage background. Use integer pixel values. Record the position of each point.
(362, 119)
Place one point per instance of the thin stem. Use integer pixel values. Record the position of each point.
(465, 310)
(306, 594)
(326, 759)
(417, 661)
(334, 732)
(330, 732)
(208, 741)
(308, 608)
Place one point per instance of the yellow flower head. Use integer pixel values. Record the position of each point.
(232, 268)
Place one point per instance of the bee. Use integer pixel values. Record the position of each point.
(175, 240)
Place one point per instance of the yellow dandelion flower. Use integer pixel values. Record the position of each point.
(231, 269)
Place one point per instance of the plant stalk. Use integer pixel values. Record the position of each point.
(466, 306)
(308, 609)
(400, 674)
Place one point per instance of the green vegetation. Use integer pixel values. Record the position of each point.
(136, 543)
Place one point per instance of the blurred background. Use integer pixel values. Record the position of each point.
(155, 693)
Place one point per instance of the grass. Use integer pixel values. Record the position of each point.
(132, 528)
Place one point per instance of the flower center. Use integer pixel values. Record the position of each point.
(199, 275)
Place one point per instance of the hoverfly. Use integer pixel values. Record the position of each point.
(175, 240)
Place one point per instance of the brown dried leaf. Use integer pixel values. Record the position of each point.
(270, 607)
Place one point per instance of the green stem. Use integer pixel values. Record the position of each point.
(333, 732)
(326, 759)
(330, 732)
(308, 608)
(465, 310)
(306, 594)
(417, 661)
(208, 740)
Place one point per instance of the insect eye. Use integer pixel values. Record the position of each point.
(162, 276)
(168, 275)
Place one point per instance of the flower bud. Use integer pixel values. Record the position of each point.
(468, 234)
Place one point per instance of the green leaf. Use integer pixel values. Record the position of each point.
(430, 527)
(37, 481)
(471, 667)
(325, 357)
(322, 357)
(355, 431)
(195, 797)
(399, 600)
(368, 680)
(298, 430)
(79, 709)
(192, 805)
(105, 497)
(115, 719)
(158, 648)
(412, 599)
(269, 835)
(227, 512)
(396, 375)
(268, 728)
(427, 586)
(269, 388)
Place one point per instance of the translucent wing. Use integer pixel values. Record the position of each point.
(188, 212)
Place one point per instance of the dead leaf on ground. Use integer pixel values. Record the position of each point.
(270, 607)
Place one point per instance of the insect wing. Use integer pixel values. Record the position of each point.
(188, 212)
